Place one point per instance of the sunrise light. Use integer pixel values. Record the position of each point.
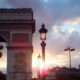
(36, 63)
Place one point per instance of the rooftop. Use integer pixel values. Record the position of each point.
(11, 10)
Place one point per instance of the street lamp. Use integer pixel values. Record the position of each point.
(43, 32)
(38, 67)
(69, 49)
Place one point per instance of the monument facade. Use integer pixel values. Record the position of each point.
(16, 28)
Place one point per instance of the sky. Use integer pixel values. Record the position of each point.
(62, 19)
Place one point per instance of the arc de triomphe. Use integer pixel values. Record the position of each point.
(16, 28)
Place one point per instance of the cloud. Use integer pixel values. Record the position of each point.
(61, 18)
(63, 35)
(53, 11)
(74, 40)
(5, 4)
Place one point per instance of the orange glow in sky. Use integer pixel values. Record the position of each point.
(48, 61)
(51, 60)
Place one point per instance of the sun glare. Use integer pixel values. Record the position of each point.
(50, 62)
(36, 63)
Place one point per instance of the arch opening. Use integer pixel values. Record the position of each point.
(3, 58)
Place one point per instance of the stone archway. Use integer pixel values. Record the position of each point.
(17, 27)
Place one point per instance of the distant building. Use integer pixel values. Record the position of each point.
(63, 74)
(51, 74)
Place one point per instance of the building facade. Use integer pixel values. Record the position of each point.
(16, 29)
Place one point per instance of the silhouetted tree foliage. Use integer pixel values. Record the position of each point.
(0, 54)
(2, 76)
(34, 79)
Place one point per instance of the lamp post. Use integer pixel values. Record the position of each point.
(38, 67)
(69, 49)
(43, 32)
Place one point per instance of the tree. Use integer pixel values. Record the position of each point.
(2, 76)
(34, 79)
(0, 54)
